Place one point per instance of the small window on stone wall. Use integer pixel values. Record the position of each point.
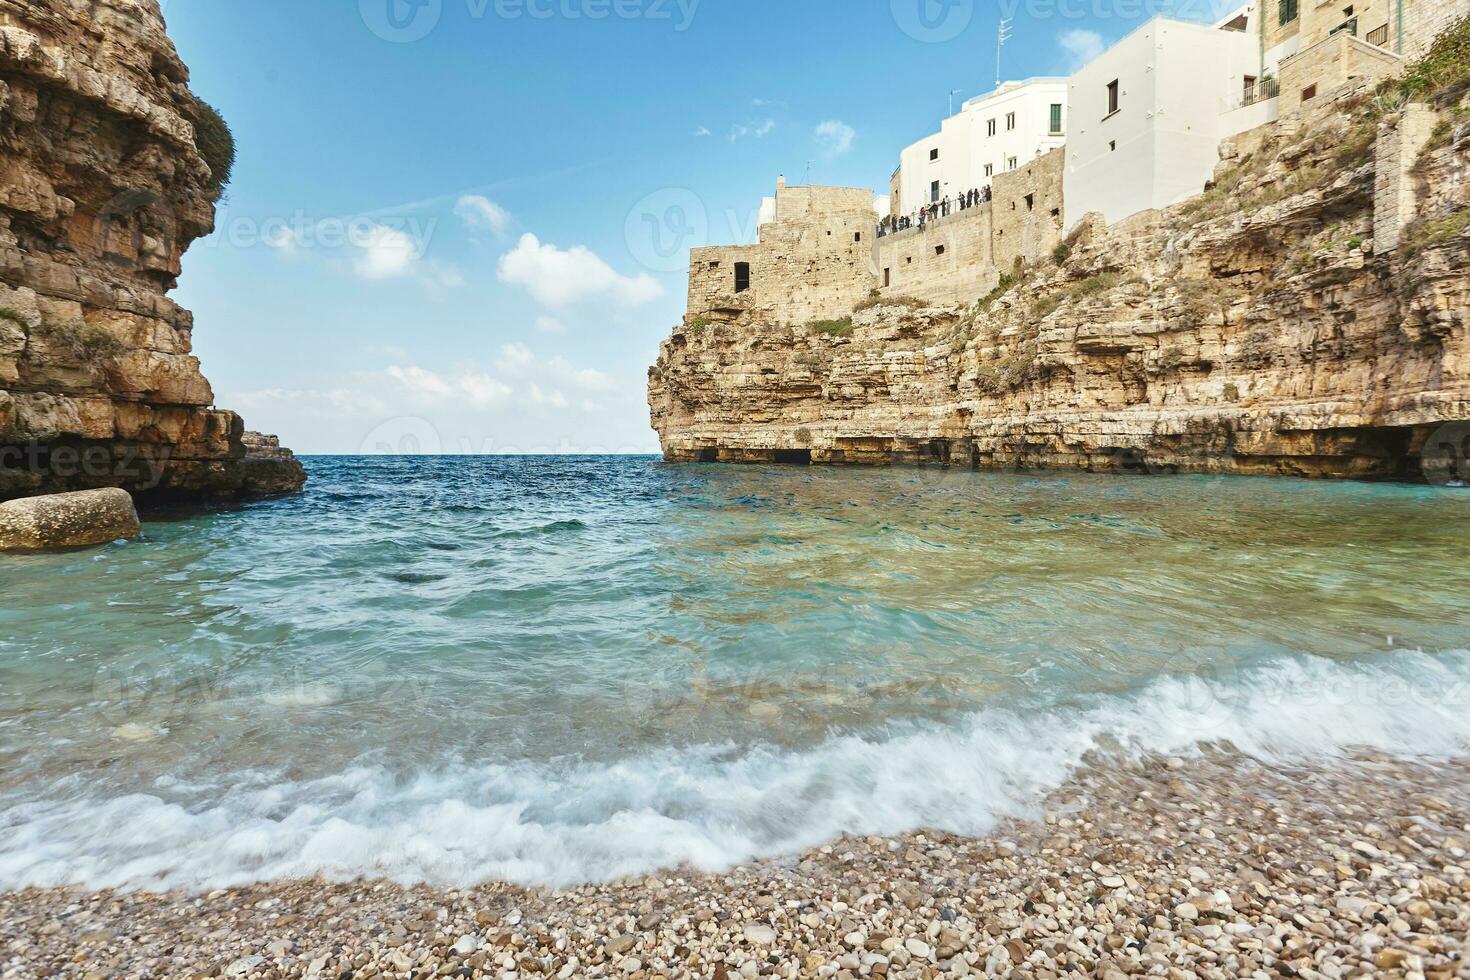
(938, 249)
(1030, 202)
(857, 236)
(742, 276)
(1309, 93)
(714, 265)
(887, 277)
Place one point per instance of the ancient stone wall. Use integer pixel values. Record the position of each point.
(945, 261)
(963, 255)
(1029, 211)
(1395, 192)
(1424, 20)
(815, 261)
(102, 189)
(1340, 62)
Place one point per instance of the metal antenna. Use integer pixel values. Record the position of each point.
(1002, 36)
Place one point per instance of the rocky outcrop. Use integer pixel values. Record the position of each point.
(102, 189)
(1254, 329)
(68, 520)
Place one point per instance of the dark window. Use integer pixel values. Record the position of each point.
(1030, 202)
(938, 249)
(1010, 120)
(714, 265)
(742, 276)
(1113, 95)
(1287, 11)
(934, 154)
(887, 277)
(1309, 93)
(857, 236)
(1056, 119)
(990, 127)
(934, 193)
(1112, 146)
(1379, 36)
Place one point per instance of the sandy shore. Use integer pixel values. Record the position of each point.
(1212, 867)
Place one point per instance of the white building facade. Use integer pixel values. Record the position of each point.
(993, 133)
(1147, 117)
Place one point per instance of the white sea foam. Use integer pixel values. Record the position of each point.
(712, 807)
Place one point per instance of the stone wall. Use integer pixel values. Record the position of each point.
(101, 191)
(1424, 20)
(962, 256)
(1029, 211)
(1330, 66)
(1395, 195)
(945, 261)
(814, 262)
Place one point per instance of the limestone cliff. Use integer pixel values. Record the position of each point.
(1287, 321)
(102, 189)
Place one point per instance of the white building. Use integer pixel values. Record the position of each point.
(1146, 118)
(992, 134)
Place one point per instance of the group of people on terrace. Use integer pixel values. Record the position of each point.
(892, 224)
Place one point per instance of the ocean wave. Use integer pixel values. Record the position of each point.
(711, 807)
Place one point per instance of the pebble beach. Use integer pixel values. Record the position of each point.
(1211, 866)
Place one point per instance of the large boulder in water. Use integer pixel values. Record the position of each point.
(68, 520)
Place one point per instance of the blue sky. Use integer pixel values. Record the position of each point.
(461, 225)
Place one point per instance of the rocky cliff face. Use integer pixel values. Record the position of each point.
(1251, 330)
(102, 189)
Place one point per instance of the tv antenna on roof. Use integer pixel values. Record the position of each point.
(1001, 37)
(806, 178)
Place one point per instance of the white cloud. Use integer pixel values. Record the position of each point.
(758, 130)
(882, 203)
(549, 324)
(835, 137)
(701, 132)
(514, 357)
(559, 277)
(385, 253)
(518, 402)
(429, 389)
(552, 399)
(1082, 46)
(481, 214)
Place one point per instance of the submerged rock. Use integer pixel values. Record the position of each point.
(68, 520)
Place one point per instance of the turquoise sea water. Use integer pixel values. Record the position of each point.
(556, 670)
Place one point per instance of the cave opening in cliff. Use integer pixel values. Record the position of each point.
(709, 455)
(793, 457)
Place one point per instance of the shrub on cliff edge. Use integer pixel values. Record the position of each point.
(215, 142)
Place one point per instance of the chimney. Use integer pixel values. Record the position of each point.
(780, 182)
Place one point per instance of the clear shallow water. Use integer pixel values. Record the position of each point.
(556, 670)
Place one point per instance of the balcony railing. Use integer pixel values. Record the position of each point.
(1266, 88)
(1349, 27)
